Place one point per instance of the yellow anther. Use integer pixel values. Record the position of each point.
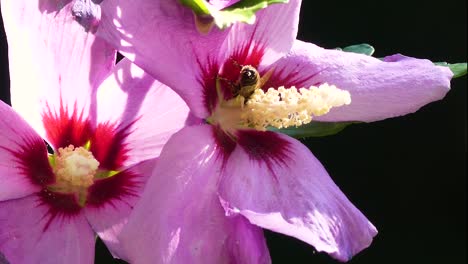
(74, 169)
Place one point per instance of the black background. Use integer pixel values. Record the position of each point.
(407, 174)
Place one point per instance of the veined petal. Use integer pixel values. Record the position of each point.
(276, 183)
(20, 149)
(380, 89)
(179, 218)
(161, 38)
(245, 243)
(107, 219)
(150, 111)
(270, 37)
(24, 237)
(53, 60)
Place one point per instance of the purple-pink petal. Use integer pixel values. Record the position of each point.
(179, 218)
(276, 183)
(149, 110)
(63, 63)
(16, 139)
(380, 89)
(108, 219)
(161, 38)
(245, 242)
(27, 236)
(274, 32)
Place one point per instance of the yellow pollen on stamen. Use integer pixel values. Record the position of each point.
(282, 108)
(74, 169)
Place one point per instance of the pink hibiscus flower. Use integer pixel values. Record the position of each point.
(218, 183)
(105, 123)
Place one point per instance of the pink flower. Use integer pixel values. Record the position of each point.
(218, 183)
(105, 123)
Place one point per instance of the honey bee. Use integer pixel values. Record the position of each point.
(249, 81)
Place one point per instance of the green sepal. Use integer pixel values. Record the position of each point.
(242, 11)
(363, 48)
(87, 145)
(314, 129)
(200, 7)
(458, 69)
(102, 174)
(51, 158)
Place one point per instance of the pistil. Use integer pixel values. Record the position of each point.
(279, 108)
(282, 108)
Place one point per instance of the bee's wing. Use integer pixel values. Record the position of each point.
(265, 77)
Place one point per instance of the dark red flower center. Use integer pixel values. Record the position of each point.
(261, 146)
(106, 143)
(228, 73)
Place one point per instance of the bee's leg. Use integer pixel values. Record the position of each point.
(223, 79)
(237, 64)
(218, 91)
(242, 101)
(235, 90)
(234, 87)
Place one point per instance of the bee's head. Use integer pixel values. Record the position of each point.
(248, 75)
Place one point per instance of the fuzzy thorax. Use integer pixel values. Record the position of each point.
(279, 108)
(74, 169)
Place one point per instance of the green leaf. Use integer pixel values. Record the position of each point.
(363, 48)
(314, 129)
(242, 11)
(200, 7)
(458, 69)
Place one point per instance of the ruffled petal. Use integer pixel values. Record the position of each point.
(26, 236)
(380, 89)
(22, 152)
(270, 37)
(276, 183)
(161, 38)
(148, 110)
(107, 219)
(53, 60)
(179, 218)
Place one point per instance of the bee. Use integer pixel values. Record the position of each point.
(249, 80)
